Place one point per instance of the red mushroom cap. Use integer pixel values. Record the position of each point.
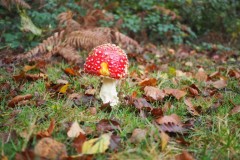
(107, 60)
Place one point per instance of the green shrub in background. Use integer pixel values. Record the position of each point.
(160, 21)
(150, 18)
(43, 17)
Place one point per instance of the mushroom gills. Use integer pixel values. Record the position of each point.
(108, 92)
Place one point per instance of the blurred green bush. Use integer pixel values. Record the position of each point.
(158, 21)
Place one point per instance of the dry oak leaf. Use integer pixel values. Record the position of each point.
(75, 130)
(220, 84)
(184, 156)
(50, 149)
(138, 135)
(106, 125)
(141, 103)
(191, 108)
(97, 145)
(78, 142)
(153, 93)
(175, 92)
(173, 118)
(18, 99)
(201, 75)
(164, 140)
(171, 123)
(148, 82)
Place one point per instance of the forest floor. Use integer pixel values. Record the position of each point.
(175, 104)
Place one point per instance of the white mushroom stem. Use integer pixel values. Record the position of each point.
(108, 92)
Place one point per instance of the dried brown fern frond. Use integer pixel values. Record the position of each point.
(8, 3)
(127, 43)
(87, 39)
(50, 45)
(66, 20)
(64, 17)
(70, 54)
(92, 18)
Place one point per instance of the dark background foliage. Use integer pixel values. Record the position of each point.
(158, 21)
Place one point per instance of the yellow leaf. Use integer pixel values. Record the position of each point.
(64, 88)
(28, 68)
(97, 145)
(171, 71)
(164, 138)
(55, 107)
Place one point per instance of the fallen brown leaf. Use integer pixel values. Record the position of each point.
(184, 156)
(157, 112)
(106, 125)
(234, 73)
(148, 82)
(48, 132)
(171, 123)
(190, 107)
(75, 130)
(193, 89)
(71, 72)
(153, 93)
(178, 94)
(201, 75)
(220, 84)
(78, 142)
(141, 103)
(114, 142)
(81, 99)
(18, 99)
(30, 77)
(50, 149)
(138, 135)
(172, 119)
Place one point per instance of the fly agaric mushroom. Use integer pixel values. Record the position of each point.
(110, 62)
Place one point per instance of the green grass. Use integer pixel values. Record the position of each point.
(215, 135)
